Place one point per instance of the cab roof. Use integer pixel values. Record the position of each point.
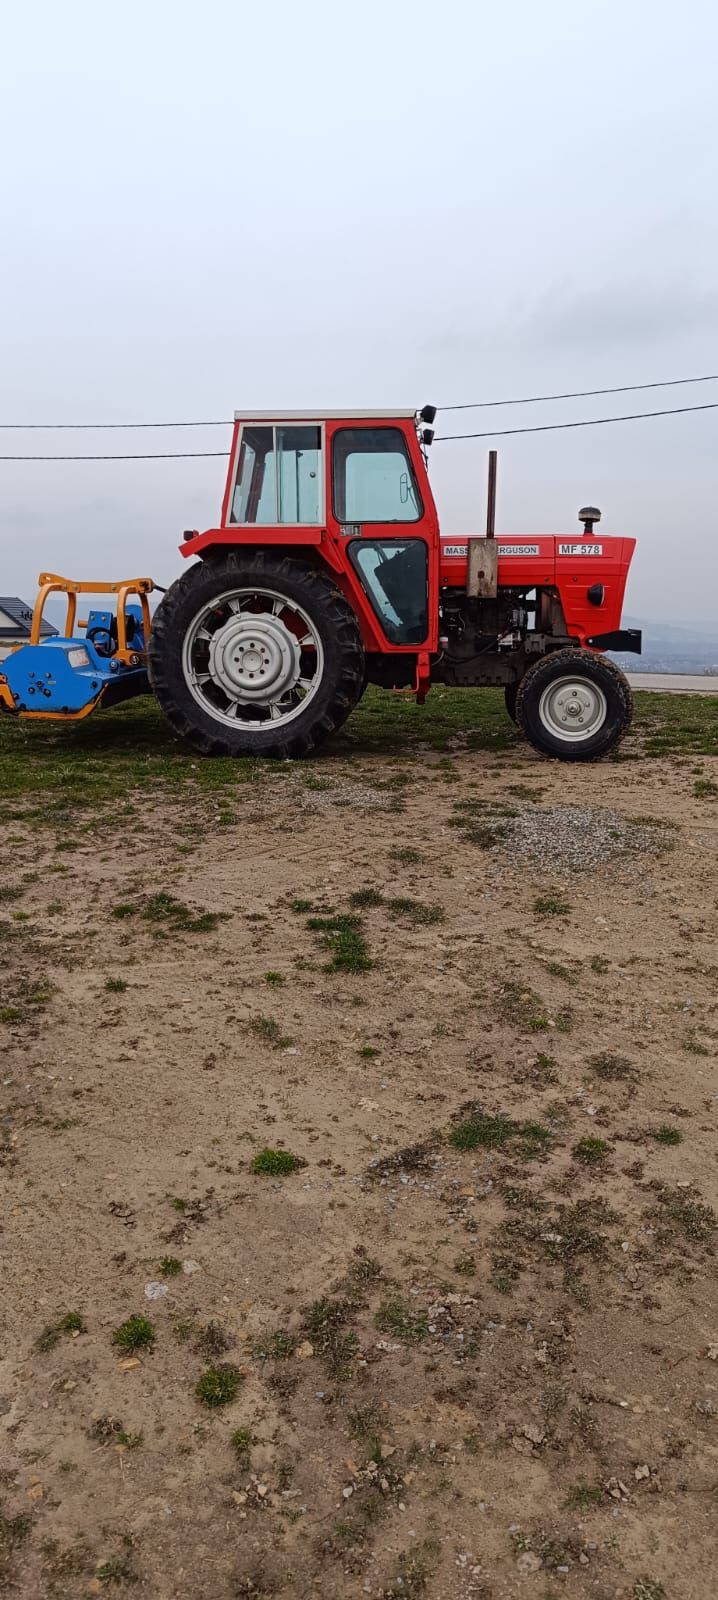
(320, 416)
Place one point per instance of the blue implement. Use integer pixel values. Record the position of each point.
(68, 677)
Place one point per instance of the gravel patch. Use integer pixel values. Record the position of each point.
(580, 837)
(360, 796)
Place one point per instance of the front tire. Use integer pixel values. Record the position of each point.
(254, 654)
(574, 705)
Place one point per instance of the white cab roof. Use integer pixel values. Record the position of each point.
(318, 415)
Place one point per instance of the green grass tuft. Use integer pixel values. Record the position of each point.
(591, 1151)
(342, 935)
(137, 1333)
(170, 1266)
(666, 1134)
(218, 1385)
(276, 1163)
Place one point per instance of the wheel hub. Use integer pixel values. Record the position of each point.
(254, 658)
(573, 708)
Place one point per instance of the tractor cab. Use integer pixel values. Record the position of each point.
(355, 488)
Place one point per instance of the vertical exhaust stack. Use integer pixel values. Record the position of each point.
(483, 568)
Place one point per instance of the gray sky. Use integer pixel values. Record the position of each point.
(229, 205)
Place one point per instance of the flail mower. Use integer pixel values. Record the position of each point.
(327, 572)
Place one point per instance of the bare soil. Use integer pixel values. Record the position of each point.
(472, 1339)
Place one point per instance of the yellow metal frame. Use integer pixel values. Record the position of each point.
(50, 583)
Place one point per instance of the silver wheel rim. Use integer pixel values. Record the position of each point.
(252, 658)
(573, 709)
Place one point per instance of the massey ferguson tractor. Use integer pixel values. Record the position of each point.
(327, 572)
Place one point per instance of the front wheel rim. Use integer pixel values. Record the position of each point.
(252, 659)
(573, 709)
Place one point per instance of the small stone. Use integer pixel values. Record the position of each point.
(304, 1350)
(129, 1364)
(35, 1491)
(191, 1266)
(641, 1473)
(712, 1352)
(528, 1561)
(155, 1290)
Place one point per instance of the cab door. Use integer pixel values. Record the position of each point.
(382, 512)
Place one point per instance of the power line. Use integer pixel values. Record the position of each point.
(579, 394)
(591, 422)
(79, 427)
(441, 438)
(160, 455)
(473, 405)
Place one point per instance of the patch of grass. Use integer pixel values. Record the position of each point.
(558, 970)
(342, 935)
(241, 1441)
(170, 1266)
(123, 909)
(117, 1570)
(591, 1151)
(71, 1322)
(705, 789)
(164, 911)
(584, 1496)
(465, 1265)
(365, 1269)
(648, 1589)
(218, 1385)
(301, 906)
(413, 1571)
(482, 1131)
(611, 1067)
(521, 1007)
(598, 964)
(268, 1029)
(406, 855)
(276, 1346)
(366, 1424)
(115, 985)
(368, 1051)
(136, 1333)
(681, 1212)
(577, 1231)
(325, 1326)
(551, 905)
(693, 1046)
(402, 1321)
(482, 822)
(276, 1163)
(274, 979)
(415, 911)
(666, 1134)
(366, 899)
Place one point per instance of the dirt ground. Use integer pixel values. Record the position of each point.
(468, 1347)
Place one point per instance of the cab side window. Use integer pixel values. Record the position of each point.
(372, 477)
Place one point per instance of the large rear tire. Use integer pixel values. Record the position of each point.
(254, 654)
(574, 705)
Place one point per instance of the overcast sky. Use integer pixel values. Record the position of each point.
(219, 206)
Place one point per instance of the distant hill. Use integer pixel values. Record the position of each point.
(668, 648)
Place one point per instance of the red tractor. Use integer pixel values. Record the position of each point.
(328, 571)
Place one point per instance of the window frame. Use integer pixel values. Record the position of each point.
(377, 522)
(275, 424)
(358, 543)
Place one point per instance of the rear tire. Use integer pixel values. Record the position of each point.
(254, 654)
(574, 705)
